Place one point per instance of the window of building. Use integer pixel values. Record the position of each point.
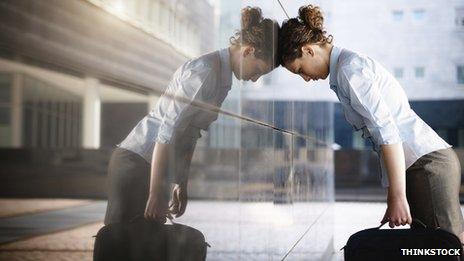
(141, 10)
(397, 15)
(184, 34)
(459, 20)
(153, 13)
(461, 138)
(172, 25)
(419, 72)
(5, 99)
(131, 8)
(195, 40)
(358, 141)
(176, 30)
(51, 116)
(418, 14)
(164, 18)
(460, 74)
(398, 72)
(443, 133)
(5, 110)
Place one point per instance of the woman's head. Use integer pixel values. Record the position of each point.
(254, 45)
(304, 45)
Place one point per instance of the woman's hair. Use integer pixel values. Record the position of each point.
(296, 32)
(259, 32)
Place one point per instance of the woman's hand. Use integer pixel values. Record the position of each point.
(398, 212)
(157, 207)
(179, 200)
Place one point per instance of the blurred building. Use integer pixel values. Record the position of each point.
(422, 44)
(71, 70)
(75, 78)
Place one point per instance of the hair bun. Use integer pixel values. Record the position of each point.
(311, 16)
(251, 16)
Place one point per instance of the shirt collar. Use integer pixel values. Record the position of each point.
(226, 71)
(334, 54)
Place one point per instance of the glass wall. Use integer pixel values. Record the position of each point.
(265, 200)
(260, 179)
(268, 196)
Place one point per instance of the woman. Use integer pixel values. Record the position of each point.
(419, 168)
(159, 149)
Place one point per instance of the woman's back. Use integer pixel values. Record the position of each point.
(373, 99)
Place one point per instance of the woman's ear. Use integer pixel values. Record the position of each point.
(248, 50)
(307, 50)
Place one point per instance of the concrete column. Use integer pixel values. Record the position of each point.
(91, 114)
(17, 111)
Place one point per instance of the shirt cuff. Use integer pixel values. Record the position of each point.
(164, 139)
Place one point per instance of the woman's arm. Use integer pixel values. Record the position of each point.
(157, 204)
(394, 163)
(366, 98)
(179, 192)
(398, 212)
(159, 164)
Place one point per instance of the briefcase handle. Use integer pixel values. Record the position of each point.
(140, 216)
(414, 221)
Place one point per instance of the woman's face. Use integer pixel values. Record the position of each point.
(250, 67)
(310, 66)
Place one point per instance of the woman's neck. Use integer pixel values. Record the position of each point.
(234, 58)
(326, 51)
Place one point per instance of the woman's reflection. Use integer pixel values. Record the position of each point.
(158, 151)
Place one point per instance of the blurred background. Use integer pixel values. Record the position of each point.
(273, 176)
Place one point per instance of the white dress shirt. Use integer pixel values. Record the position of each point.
(373, 101)
(207, 80)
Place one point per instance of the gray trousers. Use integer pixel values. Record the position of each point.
(128, 186)
(432, 189)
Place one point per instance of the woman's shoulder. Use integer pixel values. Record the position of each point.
(194, 75)
(195, 65)
(353, 59)
(207, 61)
(353, 64)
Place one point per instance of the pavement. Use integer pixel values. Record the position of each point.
(64, 232)
(14, 207)
(27, 226)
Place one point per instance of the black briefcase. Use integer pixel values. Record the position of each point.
(141, 240)
(416, 243)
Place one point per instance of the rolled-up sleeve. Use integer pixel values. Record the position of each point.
(366, 99)
(185, 87)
